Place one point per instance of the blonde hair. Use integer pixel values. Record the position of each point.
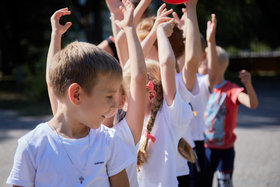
(176, 39)
(82, 63)
(223, 58)
(153, 73)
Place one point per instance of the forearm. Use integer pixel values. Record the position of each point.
(55, 46)
(148, 42)
(253, 99)
(122, 48)
(136, 57)
(193, 52)
(167, 65)
(212, 58)
(140, 9)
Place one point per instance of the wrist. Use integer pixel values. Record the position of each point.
(55, 34)
(129, 28)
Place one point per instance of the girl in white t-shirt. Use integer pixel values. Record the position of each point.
(167, 111)
(129, 129)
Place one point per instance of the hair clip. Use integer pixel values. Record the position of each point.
(150, 85)
(149, 136)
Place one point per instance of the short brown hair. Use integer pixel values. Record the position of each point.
(82, 63)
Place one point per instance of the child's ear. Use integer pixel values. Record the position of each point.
(122, 102)
(152, 96)
(74, 93)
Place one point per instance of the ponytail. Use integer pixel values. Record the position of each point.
(186, 150)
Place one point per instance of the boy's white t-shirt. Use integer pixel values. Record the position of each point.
(199, 103)
(196, 126)
(124, 132)
(41, 160)
(169, 126)
(182, 167)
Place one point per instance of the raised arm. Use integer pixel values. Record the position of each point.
(121, 40)
(150, 39)
(212, 56)
(55, 45)
(138, 73)
(167, 61)
(250, 99)
(193, 51)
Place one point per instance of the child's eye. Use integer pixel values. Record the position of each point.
(109, 97)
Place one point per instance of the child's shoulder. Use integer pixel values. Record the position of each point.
(106, 133)
(228, 85)
(35, 137)
(38, 132)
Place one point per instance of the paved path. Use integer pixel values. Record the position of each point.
(257, 162)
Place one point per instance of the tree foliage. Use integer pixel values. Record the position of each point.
(25, 27)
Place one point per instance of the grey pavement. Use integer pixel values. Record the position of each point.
(257, 161)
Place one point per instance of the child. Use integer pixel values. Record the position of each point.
(199, 102)
(220, 119)
(129, 129)
(73, 148)
(169, 114)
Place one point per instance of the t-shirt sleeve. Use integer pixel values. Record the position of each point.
(235, 91)
(184, 92)
(23, 171)
(125, 134)
(120, 156)
(179, 113)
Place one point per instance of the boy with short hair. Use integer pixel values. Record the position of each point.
(220, 119)
(73, 148)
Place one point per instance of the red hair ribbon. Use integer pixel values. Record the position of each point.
(149, 136)
(150, 85)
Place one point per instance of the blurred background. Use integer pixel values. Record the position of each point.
(247, 29)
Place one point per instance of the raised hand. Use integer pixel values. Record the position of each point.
(127, 9)
(211, 29)
(162, 16)
(168, 27)
(57, 28)
(245, 77)
(180, 21)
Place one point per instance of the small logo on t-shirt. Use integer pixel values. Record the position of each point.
(96, 163)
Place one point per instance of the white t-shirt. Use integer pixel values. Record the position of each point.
(123, 131)
(41, 159)
(160, 169)
(199, 103)
(196, 126)
(182, 167)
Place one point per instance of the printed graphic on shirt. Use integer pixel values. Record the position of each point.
(215, 113)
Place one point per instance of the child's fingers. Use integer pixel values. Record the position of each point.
(208, 24)
(175, 16)
(67, 25)
(167, 12)
(63, 9)
(161, 8)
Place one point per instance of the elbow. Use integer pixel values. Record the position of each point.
(166, 61)
(254, 105)
(140, 77)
